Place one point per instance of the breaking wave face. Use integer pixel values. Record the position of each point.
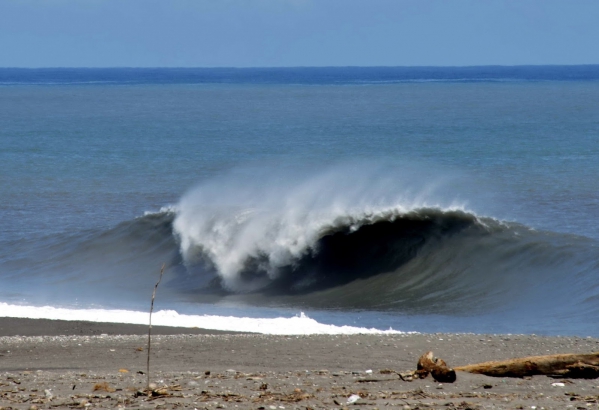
(261, 231)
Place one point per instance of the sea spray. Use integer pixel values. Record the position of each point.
(271, 219)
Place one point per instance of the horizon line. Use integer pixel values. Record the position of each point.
(291, 67)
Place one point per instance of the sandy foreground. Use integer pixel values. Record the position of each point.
(55, 364)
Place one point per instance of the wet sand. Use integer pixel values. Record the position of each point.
(103, 365)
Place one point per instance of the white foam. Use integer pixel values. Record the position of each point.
(296, 325)
(168, 209)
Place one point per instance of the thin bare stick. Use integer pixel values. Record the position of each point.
(150, 327)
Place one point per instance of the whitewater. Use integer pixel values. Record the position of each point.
(303, 201)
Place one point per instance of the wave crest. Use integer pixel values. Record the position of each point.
(259, 229)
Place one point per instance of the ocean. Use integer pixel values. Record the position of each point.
(304, 200)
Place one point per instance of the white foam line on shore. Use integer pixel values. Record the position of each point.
(296, 325)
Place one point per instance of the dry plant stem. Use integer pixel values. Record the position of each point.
(150, 326)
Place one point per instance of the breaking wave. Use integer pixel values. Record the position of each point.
(346, 239)
(256, 230)
(340, 239)
(252, 250)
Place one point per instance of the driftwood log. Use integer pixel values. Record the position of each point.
(581, 366)
(436, 367)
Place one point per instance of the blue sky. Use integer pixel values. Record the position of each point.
(273, 33)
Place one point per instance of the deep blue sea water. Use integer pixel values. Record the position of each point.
(427, 199)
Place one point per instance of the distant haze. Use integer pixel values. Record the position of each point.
(275, 33)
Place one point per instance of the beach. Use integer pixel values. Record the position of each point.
(103, 365)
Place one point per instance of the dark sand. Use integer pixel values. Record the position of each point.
(208, 369)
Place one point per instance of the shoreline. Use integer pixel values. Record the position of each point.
(11, 326)
(201, 368)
